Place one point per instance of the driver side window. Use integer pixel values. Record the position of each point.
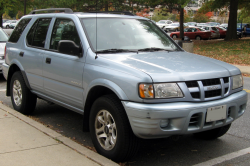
(64, 29)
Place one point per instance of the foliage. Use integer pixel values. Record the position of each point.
(186, 17)
(200, 17)
(6, 16)
(244, 15)
(162, 14)
(233, 51)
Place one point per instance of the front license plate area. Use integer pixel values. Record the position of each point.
(216, 113)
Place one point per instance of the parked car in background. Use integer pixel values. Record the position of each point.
(4, 20)
(201, 24)
(7, 23)
(215, 34)
(214, 24)
(174, 27)
(191, 24)
(13, 25)
(224, 25)
(164, 23)
(222, 32)
(240, 27)
(3, 39)
(193, 33)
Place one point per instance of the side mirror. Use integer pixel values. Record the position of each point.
(69, 47)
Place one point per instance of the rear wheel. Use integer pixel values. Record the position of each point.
(7, 26)
(213, 134)
(22, 99)
(110, 129)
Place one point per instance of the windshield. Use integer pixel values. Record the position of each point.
(239, 25)
(176, 24)
(3, 36)
(201, 29)
(132, 34)
(162, 22)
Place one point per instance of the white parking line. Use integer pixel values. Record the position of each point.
(2, 90)
(225, 157)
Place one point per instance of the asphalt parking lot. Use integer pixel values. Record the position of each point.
(183, 150)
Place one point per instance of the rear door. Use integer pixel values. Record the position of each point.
(32, 55)
(63, 72)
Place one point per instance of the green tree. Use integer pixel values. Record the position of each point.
(200, 17)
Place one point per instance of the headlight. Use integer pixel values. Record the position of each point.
(167, 90)
(163, 90)
(237, 81)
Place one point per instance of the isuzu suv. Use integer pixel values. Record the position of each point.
(124, 74)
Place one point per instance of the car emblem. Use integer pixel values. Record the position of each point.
(212, 87)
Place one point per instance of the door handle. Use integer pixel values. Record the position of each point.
(48, 60)
(21, 54)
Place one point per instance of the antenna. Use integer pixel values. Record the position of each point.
(96, 32)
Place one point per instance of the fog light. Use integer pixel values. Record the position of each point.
(164, 123)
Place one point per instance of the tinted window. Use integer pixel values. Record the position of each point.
(37, 34)
(64, 29)
(215, 29)
(19, 30)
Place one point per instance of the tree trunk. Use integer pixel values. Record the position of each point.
(1, 20)
(232, 22)
(107, 6)
(181, 23)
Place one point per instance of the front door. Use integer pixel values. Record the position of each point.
(63, 72)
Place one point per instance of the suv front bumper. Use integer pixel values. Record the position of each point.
(145, 118)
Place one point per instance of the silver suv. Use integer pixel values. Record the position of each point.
(126, 76)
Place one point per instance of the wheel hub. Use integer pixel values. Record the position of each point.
(105, 129)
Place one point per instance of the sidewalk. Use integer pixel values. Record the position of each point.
(244, 69)
(25, 142)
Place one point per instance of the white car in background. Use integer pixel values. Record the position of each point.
(7, 23)
(164, 23)
(3, 39)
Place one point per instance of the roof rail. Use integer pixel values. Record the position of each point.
(113, 12)
(66, 10)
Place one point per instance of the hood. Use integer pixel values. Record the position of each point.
(2, 47)
(165, 66)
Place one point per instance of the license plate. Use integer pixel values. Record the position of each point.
(216, 113)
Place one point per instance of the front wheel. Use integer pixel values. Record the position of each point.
(22, 99)
(174, 37)
(110, 129)
(213, 134)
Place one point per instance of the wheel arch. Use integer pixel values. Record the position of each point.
(14, 68)
(98, 88)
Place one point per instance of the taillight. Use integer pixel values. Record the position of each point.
(4, 52)
(213, 31)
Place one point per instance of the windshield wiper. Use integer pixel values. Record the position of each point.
(114, 50)
(151, 49)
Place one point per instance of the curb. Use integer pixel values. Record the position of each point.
(64, 140)
(243, 69)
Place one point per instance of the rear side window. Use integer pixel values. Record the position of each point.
(19, 30)
(38, 32)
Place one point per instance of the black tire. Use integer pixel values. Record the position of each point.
(213, 134)
(127, 143)
(198, 38)
(174, 36)
(28, 102)
(7, 26)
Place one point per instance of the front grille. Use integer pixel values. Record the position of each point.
(212, 88)
(195, 95)
(191, 84)
(212, 93)
(210, 82)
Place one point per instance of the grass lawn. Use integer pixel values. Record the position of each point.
(234, 52)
